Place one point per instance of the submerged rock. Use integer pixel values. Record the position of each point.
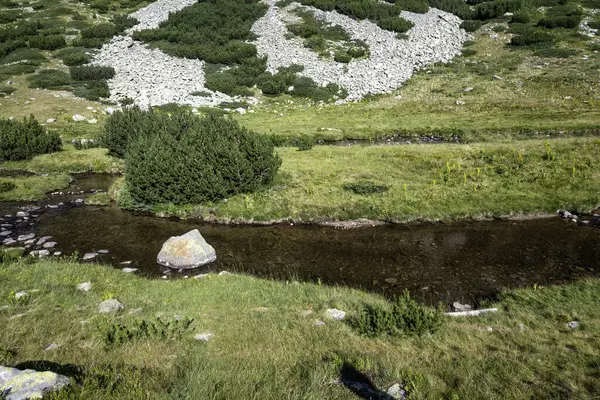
(29, 384)
(186, 251)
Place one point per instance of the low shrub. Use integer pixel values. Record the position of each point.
(122, 127)
(395, 24)
(494, 9)
(191, 160)
(567, 22)
(342, 57)
(531, 37)
(16, 69)
(456, 7)
(74, 56)
(123, 22)
(91, 73)
(552, 52)
(595, 24)
(49, 79)
(404, 317)
(521, 17)
(24, 56)
(471, 25)
(51, 42)
(366, 187)
(100, 31)
(92, 90)
(416, 6)
(21, 140)
(9, 46)
(357, 51)
(7, 186)
(93, 43)
(167, 330)
(468, 52)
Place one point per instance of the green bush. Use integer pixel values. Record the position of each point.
(191, 160)
(100, 31)
(119, 334)
(521, 17)
(405, 317)
(74, 56)
(494, 9)
(94, 43)
(6, 186)
(456, 7)
(357, 51)
(6, 90)
(9, 46)
(471, 25)
(92, 90)
(595, 24)
(91, 73)
(24, 56)
(531, 37)
(416, 6)
(395, 24)
(123, 22)
(342, 57)
(49, 79)
(21, 140)
(51, 42)
(468, 52)
(365, 187)
(16, 69)
(123, 127)
(562, 21)
(552, 52)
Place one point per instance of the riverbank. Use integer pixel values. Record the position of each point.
(525, 350)
(407, 183)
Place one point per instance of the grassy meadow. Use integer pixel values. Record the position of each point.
(266, 344)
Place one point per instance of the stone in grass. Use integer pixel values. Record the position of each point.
(204, 336)
(573, 324)
(461, 307)
(23, 238)
(89, 256)
(29, 384)
(50, 245)
(85, 286)
(51, 347)
(319, 323)
(186, 251)
(396, 391)
(110, 306)
(43, 240)
(334, 313)
(129, 270)
(104, 251)
(78, 118)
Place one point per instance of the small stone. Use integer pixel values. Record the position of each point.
(78, 118)
(23, 238)
(334, 313)
(319, 323)
(22, 214)
(79, 201)
(129, 270)
(522, 327)
(51, 347)
(21, 294)
(50, 245)
(92, 121)
(204, 336)
(57, 253)
(496, 77)
(125, 263)
(29, 384)
(9, 241)
(85, 286)
(110, 306)
(43, 240)
(468, 89)
(5, 233)
(573, 324)
(460, 103)
(164, 277)
(200, 276)
(396, 391)
(461, 307)
(224, 273)
(89, 256)
(103, 251)
(489, 329)
(51, 120)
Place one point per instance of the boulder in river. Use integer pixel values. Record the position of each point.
(29, 384)
(186, 251)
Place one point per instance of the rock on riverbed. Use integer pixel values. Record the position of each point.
(186, 251)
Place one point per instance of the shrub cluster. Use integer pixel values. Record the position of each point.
(6, 186)
(456, 7)
(406, 317)
(166, 330)
(471, 25)
(494, 9)
(21, 140)
(51, 42)
(183, 159)
(49, 79)
(91, 73)
(74, 56)
(365, 187)
(100, 31)
(560, 21)
(416, 6)
(530, 37)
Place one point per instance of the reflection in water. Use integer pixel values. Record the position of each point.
(447, 262)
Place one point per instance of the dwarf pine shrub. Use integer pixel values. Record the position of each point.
(471, 25)
(404, 317)
(123, 127)
(51, 42)
(91, 73)
(187, 159)
(21, 140)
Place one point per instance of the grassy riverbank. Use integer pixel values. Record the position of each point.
(418, 182)
(265, 346)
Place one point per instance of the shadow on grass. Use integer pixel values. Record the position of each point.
(71, 370)
(360, 384)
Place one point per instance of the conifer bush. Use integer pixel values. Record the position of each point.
(51, 42)
(185, 159)
(123, 127)
(21, 140)
(91, 73)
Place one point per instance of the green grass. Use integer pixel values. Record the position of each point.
(277, 352)
(425, 182)
(33, 187)
(70, 160)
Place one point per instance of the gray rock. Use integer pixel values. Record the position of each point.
(103, 251)
(21, 294)
(51, 120)
(57, 253)
(200, 276)
(334, 313)
(573, 324)
(204, 336)
(129, 270)
(496, 77)
(29, 384)
(396, 391)
(43, 240)
(186, 251)
(461, 307)
(319, 323)
(50, 245)
(51, 347)
(9, 241)
(223, 273)
(78, 118)
(85, 286)
(110, 306)
(89, 256)
(5, 233)
(22, 214)
(468, 89)
(23, 238)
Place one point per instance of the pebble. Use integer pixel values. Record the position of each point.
(319, 323)
(129, 270)
(51, 347)
(89, 256)
(204, 336)
(49, 245)
(573, 324)
(334, 313)
(23, 238)
(103, 251)
(110, 306)
(85, 286)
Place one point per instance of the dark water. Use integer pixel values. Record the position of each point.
(437, 262)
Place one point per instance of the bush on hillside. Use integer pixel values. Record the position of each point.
(49, 79)
(51, 42)
(24, 56)
(101, 31)
(494, 9)
(91, 73)
(405, 317)
(93, 43)
(531, 37)
(456, 7)
(192, 160)
(21, 140)
(562, 21)
(395, 24)
(416, 6)
(123, 127)
(471, 25)
(74, 56)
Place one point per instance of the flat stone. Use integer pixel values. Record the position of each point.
(200, 276)
(43, 240)
(5, 233)
(85, 286)
(21, 294)
(334, 313)
(50, 245)
(461, 307)
(125, 263)
(57, 253)
(573, 324)
(129, 270)
(51, 347)
(9, 241)
(319, 323)
(103, 251)
(89, 256)
(78, 118)
(204, 336)
(23, 238)
(186, 251)
(22, 214)
(29, 384)
(110, 306)
(396, 391)
(222, 273)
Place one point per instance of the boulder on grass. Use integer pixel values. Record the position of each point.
(29, 384)
(186, 251)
